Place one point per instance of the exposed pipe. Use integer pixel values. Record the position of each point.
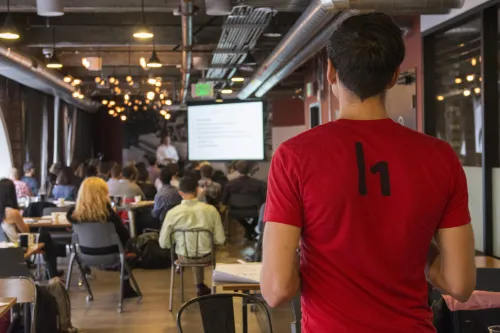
(31, 73)
(311, 49)
(187, 45)
(317, 15)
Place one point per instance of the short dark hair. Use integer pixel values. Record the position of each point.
(129, 172)
(64, 176)
(188, 185)
(174, 168)
(206, 171)
(142, 172)
(91, 171)
(116, 171)
(243, 167)
(166, 175)
(28, 166)
(366, 50)
(151, 160)
(8, 198)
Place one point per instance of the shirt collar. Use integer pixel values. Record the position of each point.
(189, 202)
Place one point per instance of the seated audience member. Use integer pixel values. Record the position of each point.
(244, 195)
(116, 175)
(220, 178)
(13, 224)
(174, 170)
(126, 187)
(153, 170)
(94, 206)
(192, 214)
(79, 175)
(211, 190)
(29, 178)
(22, 189)
(49, 184)
(104, 170)
(167, 197)
(63, 188)
(91, 171)
(143, 181)
(232, 172)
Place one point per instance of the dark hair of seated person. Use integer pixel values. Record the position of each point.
(151, 160)
(243, 167)
(8, 198)
(142, 172)
(188, 185)
(129, 172)
(206, 171)
(116, 171)
(64, 176)
(166, 175)
(91, 171)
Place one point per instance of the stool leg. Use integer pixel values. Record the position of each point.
(182, 284)
(172, 275)
(70, 270)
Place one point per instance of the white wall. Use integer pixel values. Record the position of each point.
(5, 148)
(429, 21)
(281, 134)
(475, 186)
(496, 212)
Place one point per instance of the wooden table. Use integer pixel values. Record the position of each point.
(131, 208)
(487, 262)
(33, 250)
(10, 303)
(45, 223)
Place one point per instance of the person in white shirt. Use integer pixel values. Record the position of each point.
(166, 153)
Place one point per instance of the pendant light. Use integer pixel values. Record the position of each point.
(53, 61)
(154, 61)
(272, 30)
(237, 77)
(9, 31)
(143, 31)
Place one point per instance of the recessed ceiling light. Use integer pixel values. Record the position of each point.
(226, 91)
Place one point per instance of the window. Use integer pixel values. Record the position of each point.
(457, 58)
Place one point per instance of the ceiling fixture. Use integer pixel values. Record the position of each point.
(111, 112)
(467, 92)
(76, 82)
(218, 98)
(9, 31)
(226, 91)
(75, 94)
(272, 30)
(117, 82)
(152, 81)
(49, 8)
(473, 62)
(477, 90)
(86, 63)
(154, 61)
(167, 116)
(168, 102)
(131, 83)
(145, 108)
(162, 96)
(158, 83)
(68, 79)
(128, 78)
(104, 101)
(111, 103)
(112, 80)
(440, 98)
(97, 79)
(142, 62)
(458, 80)
(150, 95)
(237, 77)
(136, 108)
(123, 117)
(163, 112)
(470, 77)
(80, 96)
(53, 61)
(115, 115)
(126, 97)
(157, 89)
(143, 31)
(148, 101)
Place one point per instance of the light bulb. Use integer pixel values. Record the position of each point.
(75, 94)
(143, 62)
(131, 83)
(111, 112)
(440, 98)
(148, 101)
(226, 91)
(67, 79)
(97, 79)
(115, 115)
(157, 89)
(104, 102)
(112, 80)
(111, 103)
(167, 116)
(129, 104)
(237, 79)
(168, 102)
(458, 80)
(145, 108)
(152, 81)
(128, 78)
(126, 97)
(150, 95)
(473, 62)
(477, 90)
(470, 77)
(136, 108)
(117, 82)
(158, 83)
(76, 82)
(81, 96)
(123, 117)
(467, 92)
(162, 96)
(85, 63)
(163, 112)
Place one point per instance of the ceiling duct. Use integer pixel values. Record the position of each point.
(218, 7)
(49, 7)
(187, 46)
(320, 12)
(29, 72)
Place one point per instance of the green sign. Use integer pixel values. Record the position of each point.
(204, 89)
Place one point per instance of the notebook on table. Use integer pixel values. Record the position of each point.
(237, 273)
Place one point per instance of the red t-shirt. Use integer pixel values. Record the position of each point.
(368, 196)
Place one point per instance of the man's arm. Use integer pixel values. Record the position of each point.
(175, 156)
(166, 230)
(453, 269)
(280, 279)
(219, 235)
(158, 207)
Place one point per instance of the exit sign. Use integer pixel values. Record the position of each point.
(202, 90)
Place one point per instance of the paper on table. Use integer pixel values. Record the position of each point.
(3, 304)
(237, 273)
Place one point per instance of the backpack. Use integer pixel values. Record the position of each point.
(60, 294)
(148, 251)
(47, 311)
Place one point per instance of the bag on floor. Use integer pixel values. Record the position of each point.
(47, 311)
(59, 292)
(148, 251)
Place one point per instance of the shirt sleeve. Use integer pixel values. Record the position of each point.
(158, 206)
(166, 230)
(456, 212)
(284, 202)
(174, 155)
(219, 235)
(160, 155)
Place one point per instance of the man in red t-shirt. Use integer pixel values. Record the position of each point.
(366, 196)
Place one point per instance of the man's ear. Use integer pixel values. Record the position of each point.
(394, 79)
(331, 73)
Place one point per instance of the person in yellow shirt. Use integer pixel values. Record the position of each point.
(192, 214)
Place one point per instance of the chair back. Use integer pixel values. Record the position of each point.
(184, 237)
(49, 210)
(13, 264)
(216, 314)
(97, 243)
(22, 288)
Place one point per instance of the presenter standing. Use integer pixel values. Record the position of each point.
(166, 153)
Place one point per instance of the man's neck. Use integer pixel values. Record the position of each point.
(369, 109)
(189, 197)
